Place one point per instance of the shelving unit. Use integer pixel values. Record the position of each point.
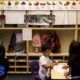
(66, 32)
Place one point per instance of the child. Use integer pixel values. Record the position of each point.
(3, 62)
(74, 61)
(45, 63)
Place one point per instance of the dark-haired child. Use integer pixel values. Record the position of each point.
(45, 63)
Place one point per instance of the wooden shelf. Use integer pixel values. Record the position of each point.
(52, 54)
(38, 24)
(12, 66)
(13, 54)
(52, 28)
(11, 72)
(11, 60)
(11, 28)
(17, 72)
(21, 72)
(21, 60)
(20, 65)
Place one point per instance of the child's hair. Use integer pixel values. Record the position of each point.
(45, 47)
(74, 48)
(2, 52)
(74, 55)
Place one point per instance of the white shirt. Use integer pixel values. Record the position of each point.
(43, 71)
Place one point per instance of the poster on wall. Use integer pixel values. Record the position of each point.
(27, 34)
(14, 17)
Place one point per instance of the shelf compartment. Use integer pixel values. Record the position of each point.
(21, 69)
(12, 63)
(65, 35)
(12, 69)
(21, 63)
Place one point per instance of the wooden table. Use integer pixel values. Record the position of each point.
(57, 75)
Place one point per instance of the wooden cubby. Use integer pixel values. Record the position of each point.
(66, 33)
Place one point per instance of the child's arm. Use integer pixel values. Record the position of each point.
(68, 73)
(51, 65)
(65, 67)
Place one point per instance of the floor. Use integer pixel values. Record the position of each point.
(19, 77)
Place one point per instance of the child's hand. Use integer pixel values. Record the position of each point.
(65, 74)
(53, 64)
(56, 63)
(65, 67)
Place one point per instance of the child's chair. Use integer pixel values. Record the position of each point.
(34, 67)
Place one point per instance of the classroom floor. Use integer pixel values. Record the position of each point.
(19, 77)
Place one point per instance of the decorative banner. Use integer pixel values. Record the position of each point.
(2, 18)
(39, 5)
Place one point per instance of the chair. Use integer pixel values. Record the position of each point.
(34, 67)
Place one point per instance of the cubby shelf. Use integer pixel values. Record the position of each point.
(66, 32)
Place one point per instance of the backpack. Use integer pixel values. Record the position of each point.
(46, 39)
(12, 44)
(53, 40)
(2, 18)
(55, 43)
(19, 38)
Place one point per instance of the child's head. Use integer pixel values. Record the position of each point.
(74, 47)
(46, 49)
(2, 52)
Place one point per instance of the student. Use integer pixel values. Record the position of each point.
(3, 61)
(45, 63)
(74, 61)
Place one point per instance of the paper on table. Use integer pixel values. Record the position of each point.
(59, 69)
